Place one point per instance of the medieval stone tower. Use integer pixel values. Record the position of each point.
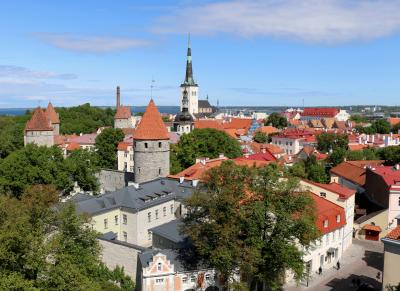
(151, 146)
(189, 86)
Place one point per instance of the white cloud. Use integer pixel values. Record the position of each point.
(7, 71)
(90, 44)
(317, 21)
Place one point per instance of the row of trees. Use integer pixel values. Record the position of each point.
(44, 249)
(250, 220)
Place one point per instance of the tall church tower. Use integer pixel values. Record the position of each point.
(189, 85)
(151, 146)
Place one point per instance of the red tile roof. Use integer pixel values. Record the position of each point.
(327, 210)
(394, 234)
(357, 147)
(343, 192)
(372, 227)
(267, 129)
(320, 112)
(353, 171)
(390, 175)
(209, 123)
(39, 121)
(151, 126)
(123, 112)
(394, 120)
(123, 146)
(239, 123)
(263, 156)
(52, 114)
(73, 146)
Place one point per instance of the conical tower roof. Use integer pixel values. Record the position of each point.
(52, 114)
(151, 126)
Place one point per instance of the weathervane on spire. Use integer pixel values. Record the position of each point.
(151, 87)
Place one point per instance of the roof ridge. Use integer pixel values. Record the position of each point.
(151, 126)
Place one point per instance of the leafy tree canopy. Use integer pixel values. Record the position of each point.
(358, 118)
(249, 219)
(310, 169)
(11, 133)
(276, 120)
(260, 137)
(206, 142)
(46, 165)
(379, 126)
(331, 141)
(47, 250)
(106, 146)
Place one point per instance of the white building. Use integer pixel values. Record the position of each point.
(125, 155)
(189, 86)
(343, 115)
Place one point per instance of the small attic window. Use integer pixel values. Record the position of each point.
(337, 218)
(325, 223)
(322, 194)
(159, 267)
(146, 145)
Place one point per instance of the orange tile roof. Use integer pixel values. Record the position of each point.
(372, 227)
(231, 132)
(123, 146)
(274, 149)
(208, 123)
(327, 210)
(394, 120)
(73, 146)
(52, 114)
(128, 131)
(197, 171)
(394, 234)
(151, 126)
(267, 129)
(353, 171)
(239, 123)
(321, 111)
(357, 147)
(39, 121)
(123, 112)
(344, 192)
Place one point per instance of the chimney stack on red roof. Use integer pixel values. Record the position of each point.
(151, 126)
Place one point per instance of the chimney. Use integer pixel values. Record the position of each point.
(195, 182)
(118, 97)
(181, 179)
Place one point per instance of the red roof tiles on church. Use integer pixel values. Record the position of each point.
(151, 126)
(52, 114)
(39, 121)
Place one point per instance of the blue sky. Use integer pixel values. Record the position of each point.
(270, 52)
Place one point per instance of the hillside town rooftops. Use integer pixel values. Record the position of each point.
(151, 126)
(354, 171)
(343, 192)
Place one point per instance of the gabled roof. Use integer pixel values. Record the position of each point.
(209, 123)
(204, 104)
(329, 211)
(320, 112)
(343, 192)
(390, 175)
(151, 126)
(39, 121)
(268, 129)
(52, 114)
(263, 156)
(354, 171)
(123, 112)
(239, 123)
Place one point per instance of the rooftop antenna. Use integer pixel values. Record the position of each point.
(151, 87)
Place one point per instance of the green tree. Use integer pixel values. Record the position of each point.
(337, 156)
(106, 146)
(260, 137)
(358, 118)
(206, 142)
(390, 154)
(381, 126)
(249, 219)
(355, 155)
(315, 170)
(396, 128)
(12, 133)
(276, 120)
(43, 249)
(298, 170)
(331, 141)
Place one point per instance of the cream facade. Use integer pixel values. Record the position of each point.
(291, 146)
(126, 160)
(347, 204)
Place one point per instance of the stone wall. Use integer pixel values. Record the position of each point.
(125, 255)
(123, 123)
(151, 160)
(111, 180)
(41, 138)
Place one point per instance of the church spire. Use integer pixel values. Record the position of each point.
(189, 81)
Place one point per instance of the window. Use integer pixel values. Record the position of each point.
(172, 208)
(156, 213)
(193, 279)
(125, 236)
(159, 267)
(159, 171)
(159, 144)
(116, 219)
(125, 155)
(159, 281)
(325, 223)
(131, 168)
(208, 277)
(149, 217)
(399, 201)
(138, 169)
(338, 218)
(322, 194)
(164, 210)
(124, 219)
(105, 223)
(149, 235)
(146, 145)
(184, 280)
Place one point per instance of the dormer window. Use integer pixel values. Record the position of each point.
(159, 267)
(337, 218)
(322, 194)
(325, 223)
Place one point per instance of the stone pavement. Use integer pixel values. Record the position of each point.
(362, 260)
